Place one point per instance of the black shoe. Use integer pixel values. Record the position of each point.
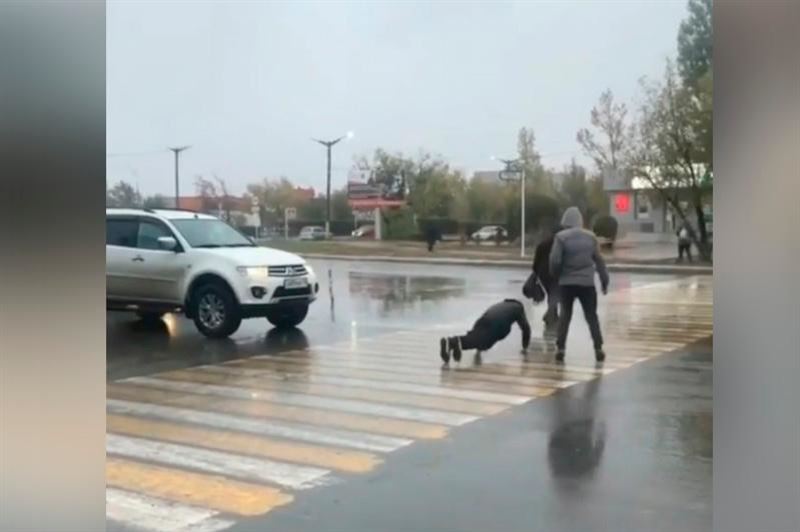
(599, 355)
(443, 350)
(455, 347)
(560, 355)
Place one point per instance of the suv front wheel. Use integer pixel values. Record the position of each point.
(215, 311)
(287, 316)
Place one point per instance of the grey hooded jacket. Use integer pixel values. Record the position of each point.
(576, 253)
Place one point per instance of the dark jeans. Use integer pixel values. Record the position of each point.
(587, 295)
(482, 337)
(685, 248)
(551, 316)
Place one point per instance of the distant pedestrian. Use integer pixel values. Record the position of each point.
(541, 267)
(494, 325)
(684, 243)
(498, 236)
(432, 235)
(574, 258)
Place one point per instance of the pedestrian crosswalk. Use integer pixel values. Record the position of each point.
(201, 448)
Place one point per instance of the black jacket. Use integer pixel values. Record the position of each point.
(498, 320)
(541, 261)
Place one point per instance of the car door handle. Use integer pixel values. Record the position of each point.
(137, 258)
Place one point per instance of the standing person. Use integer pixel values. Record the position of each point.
(684, 243)
(541, 267)
(573, 261)
(493, 326)
(431, 236)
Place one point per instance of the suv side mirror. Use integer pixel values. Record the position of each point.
(167, 243)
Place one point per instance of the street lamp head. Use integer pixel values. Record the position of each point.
(177, 149)
(350, 135)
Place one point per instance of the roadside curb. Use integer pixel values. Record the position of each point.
(612, 267)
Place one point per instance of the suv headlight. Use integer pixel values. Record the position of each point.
(309, 269)
(254, 272)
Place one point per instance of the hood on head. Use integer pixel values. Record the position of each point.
(572, 218)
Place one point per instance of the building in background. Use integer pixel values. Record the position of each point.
(642, 214)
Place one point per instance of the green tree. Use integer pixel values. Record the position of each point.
(583, 191)
(487, 201)
(537, 179)
(695, 43)
(274, 196)
(155, 202)
(669, 152)
(340, 208)
(123, 195)
(313, 209)
(390, 171)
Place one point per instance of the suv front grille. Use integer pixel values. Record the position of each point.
(287, 271)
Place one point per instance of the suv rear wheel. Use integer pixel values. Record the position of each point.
(287, 316)
(215, 311)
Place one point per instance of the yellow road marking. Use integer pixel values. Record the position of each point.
(463, 383)
(262, 409)
(235, 442)
(214, 492)
(327, 390)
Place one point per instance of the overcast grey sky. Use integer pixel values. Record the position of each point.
(248, 84)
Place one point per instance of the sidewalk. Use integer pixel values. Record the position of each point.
(648, 258)
(679, 269)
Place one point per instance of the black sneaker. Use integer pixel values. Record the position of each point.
(443, 350)
(599, 355)
(455, 347)
(560, 355)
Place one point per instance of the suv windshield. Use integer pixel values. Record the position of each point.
(205, 233)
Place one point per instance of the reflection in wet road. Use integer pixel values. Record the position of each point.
(202, 433)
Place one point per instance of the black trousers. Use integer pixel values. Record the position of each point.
(685, 248)
(587, 295)
(482, 336)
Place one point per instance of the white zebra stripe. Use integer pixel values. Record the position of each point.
(243, 467)
(141, 512)
(295, 431)
(423, 370)
(490, 397)
(298, 399)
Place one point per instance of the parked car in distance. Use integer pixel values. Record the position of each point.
(365, 231)
(312, 232)
(489, 233)
(161, 261)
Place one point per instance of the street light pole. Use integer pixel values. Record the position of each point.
(522, 201)
(511, 166)
(177, 151)
(328, 145)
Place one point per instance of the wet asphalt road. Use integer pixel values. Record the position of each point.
(511, 444)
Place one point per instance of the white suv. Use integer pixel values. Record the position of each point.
(160, 261)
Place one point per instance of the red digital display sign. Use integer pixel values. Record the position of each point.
(622, 202)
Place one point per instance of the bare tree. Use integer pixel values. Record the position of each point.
(610, 136)
(214, 193)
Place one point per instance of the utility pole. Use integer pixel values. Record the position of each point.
(328, 145)
(177, 150)
(515, 166)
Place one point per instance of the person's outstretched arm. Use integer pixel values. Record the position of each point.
(522, 321)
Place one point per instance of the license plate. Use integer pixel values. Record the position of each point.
(300, 282)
